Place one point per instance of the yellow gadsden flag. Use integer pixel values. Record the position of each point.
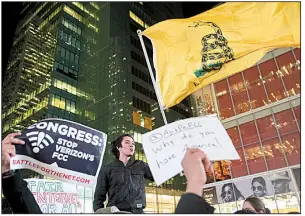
(194, 52)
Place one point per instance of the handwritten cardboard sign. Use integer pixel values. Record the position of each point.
(165, 147)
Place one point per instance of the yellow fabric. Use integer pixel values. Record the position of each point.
(239, 34)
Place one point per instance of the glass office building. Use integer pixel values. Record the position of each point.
(260, 109)
(82, 61)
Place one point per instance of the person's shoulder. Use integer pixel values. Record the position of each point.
(139, 162)
(109, 165)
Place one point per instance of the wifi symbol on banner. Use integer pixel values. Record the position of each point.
(39, 140)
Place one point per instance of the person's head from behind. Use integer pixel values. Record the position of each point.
(267, 211)
(123, 145)
(259, 187)
(245, 211)
(254, 204)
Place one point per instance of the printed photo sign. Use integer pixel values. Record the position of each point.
(209, 194)
(63, 150)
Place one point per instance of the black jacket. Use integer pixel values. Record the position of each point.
(124, 185)
(19, 196)
(193, 204)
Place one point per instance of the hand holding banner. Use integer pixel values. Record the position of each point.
(62, 149)
(165, 147)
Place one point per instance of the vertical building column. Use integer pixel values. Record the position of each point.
(277, 131)
(255, 123)
(286, 92)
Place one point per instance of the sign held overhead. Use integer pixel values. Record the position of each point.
(165, 147)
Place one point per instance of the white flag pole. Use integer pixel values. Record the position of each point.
(152, 75)
(152, 78)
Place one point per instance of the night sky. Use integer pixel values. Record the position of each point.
(10, 17)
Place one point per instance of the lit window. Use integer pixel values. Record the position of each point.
(137, 19)
(148, 123)
(73, 13)
(136, 118)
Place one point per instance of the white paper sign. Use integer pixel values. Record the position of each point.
(54, 196)
(165, 147)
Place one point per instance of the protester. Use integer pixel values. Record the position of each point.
(254, 204)
(123, 179)
(245, 211)
(195, 165)
(14, 188)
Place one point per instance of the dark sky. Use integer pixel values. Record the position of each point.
(194, 8)
(10, 17)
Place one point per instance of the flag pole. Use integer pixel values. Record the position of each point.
(152, 78)
(152, 75)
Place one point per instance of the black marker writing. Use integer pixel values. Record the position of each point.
(165, 160)
(163, 145)
(203, 134)
(155, 137)
(181, 128)
(214, 144)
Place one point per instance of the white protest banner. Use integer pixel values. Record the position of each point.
(55, 196)
(165, 147)
(63, 150)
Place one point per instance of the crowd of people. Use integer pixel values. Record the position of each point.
(123, 182)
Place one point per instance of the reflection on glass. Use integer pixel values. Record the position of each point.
(272, 81)
(255, 87)
(223, 98)
(238, 167)
(290, 70)
(255, 158)
(221, 170)
(239, 94)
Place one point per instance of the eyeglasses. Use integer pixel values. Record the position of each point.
(260, 188)
(227, 192)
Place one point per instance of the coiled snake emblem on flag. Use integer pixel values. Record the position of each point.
(215, 51)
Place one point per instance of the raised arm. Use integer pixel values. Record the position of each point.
(14, 188)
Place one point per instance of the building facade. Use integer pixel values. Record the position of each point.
(260, 109)
(82, 61)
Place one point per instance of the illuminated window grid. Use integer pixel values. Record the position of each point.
(29, 112)
(59, 8)
(27, 98)
(227, 97)
(141, 120)
(266, 150)
(63, 103)
(83, 8)
(77, 16)
(138, 20)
